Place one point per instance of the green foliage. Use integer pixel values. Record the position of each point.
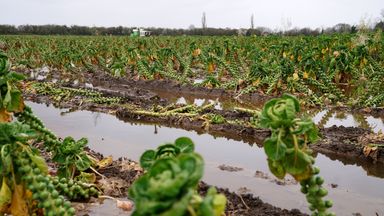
(169, 185)
(22, 168)
(287, 148)
(181, 145)
(71, 157)
(271, 65)
(10, 95)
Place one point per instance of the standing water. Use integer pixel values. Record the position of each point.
(352, 190)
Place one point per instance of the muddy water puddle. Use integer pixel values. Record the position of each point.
(352, 189)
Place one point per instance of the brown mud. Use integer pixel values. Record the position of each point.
(122, 172)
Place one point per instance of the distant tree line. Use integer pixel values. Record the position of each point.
(120, 30)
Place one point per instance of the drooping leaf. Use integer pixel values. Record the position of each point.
(297, 162)
(277, 168)
(274, 148)
(39, 162)
(83, 162)
(6, 158)
(5, 196)
(5, 116)
(19, 205)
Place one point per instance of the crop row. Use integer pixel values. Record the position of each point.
(346, 68)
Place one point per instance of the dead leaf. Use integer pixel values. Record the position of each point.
(113, 186)
(5, 116)
(19, 205)
(369, 149)
(105, 162)
(5, 196)
(129, 165)
(125, 205)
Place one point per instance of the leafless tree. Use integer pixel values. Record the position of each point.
(204, 21)
(252, 22)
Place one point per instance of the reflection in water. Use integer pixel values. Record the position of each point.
(329, 117)
(356, 192)
(323, 118)
(221, 103)
(95, 117)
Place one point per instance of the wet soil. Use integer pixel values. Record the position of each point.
(239, 204)
(347, 143)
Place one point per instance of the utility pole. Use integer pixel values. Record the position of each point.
(204, 21)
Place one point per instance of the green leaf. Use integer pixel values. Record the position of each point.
(185, 145)
(277, 168)
(274, 148)
(167, 183)
(39, 162)
(82, 142)
(213, 204)
(194, 164)
(7, 99)
(4, 65)
(297, 162)
(83, 162)
(89, 178)
(167, 150)
(6, 158)
(179, 207)
(147, 159)
(16, 104)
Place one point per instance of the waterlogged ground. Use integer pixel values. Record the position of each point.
(229, 164)
(322, 117)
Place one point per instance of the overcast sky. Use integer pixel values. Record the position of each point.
(183, 13)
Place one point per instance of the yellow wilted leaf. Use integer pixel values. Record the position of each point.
(256, 82)
(5, 196)
(323, 51)
(284, 55)
(196, 52)
(305, 75)
(105, 162)
(299, 58)
(5, 116)
(365, 61)
(295, 76)
(292, 57)
(211, 67)
(19, 205)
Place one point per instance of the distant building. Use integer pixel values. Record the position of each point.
(139, 32)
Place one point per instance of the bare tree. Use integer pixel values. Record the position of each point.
(252, 22)
(204, 21)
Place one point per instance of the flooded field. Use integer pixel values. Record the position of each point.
(229, 164)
